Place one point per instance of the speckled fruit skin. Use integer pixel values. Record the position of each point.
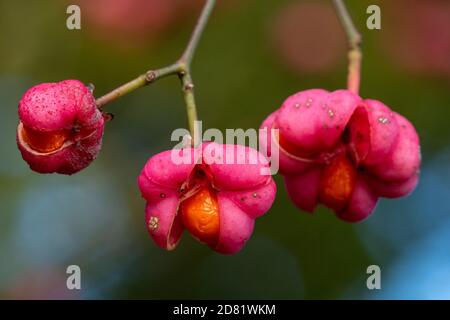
(243, 194)
(315, 126)
(66, 105)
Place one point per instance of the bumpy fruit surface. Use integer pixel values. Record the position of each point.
(342, 151)
(215, 193)
(60, 128)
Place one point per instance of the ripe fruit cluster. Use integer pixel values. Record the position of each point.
(335, 148)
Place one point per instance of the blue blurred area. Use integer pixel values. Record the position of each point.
(410, 238)
(422, 271)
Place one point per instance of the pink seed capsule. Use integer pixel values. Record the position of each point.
(216, 200)
(60, 128)
(344, 152)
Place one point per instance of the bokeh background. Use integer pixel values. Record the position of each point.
(253, 55)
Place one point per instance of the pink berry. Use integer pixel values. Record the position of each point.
(213, 196)
(60, 128)
(344, 152)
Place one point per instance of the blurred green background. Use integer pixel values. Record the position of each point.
(253, 55)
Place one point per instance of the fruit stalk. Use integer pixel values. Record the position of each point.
(354, 43)
(186, 62)
(182, 68)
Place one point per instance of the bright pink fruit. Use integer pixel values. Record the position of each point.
(344, 152)
(60, 128)
(216, 195)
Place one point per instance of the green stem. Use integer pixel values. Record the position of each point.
(182, 68)
(191, 109)
(185, 76)
(188, 54)
(143, 80)
(354, 43)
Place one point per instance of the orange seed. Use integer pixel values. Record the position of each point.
(44, 142)
(200, 214)
(337, 183)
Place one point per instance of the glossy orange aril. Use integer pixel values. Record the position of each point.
(337, 182)
(44, 142)
(200, 214)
